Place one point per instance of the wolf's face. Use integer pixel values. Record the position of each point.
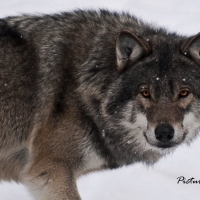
(153, 106)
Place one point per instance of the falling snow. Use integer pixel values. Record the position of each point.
(103, 133)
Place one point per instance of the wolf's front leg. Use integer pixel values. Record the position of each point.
(54, 182)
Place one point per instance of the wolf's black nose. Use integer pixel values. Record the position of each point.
(164, 133)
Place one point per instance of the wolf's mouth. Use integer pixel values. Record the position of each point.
(164, 146)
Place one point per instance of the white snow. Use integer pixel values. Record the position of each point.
(103, 133)
(135, 182)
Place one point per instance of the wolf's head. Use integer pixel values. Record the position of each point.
(152, 105)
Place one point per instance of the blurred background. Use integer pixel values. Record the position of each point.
(136, 182)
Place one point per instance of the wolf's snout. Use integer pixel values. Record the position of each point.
(164, 133)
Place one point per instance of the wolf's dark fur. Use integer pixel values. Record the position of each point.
(71, 101)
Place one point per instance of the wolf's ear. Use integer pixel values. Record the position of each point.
(130, 48)
(191, 47)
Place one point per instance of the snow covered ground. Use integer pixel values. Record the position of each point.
(135, 182)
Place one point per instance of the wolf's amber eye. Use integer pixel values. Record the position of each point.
(145, 93)
(184, 93)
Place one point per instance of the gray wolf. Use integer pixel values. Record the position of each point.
(90, 90)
